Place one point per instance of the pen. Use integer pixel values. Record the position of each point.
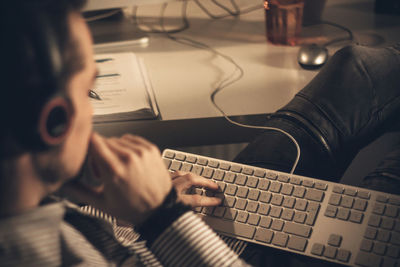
(94, 95)
(107, 75)
(104, 60)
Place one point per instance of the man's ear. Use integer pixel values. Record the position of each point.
(55, 121)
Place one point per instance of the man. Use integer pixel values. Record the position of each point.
(45, 137)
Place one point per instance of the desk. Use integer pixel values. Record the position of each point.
(183, 77)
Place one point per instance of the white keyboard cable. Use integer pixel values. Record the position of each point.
(235, 76)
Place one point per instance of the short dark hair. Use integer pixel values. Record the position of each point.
(29, 29)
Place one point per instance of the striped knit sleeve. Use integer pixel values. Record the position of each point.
(191, 242)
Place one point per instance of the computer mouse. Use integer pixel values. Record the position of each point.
(312, 56)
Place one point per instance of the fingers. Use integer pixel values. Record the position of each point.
(184, 181)
(200, 201)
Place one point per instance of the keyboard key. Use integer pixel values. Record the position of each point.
(186, 167)
(387, 223)
(242, 216)
(222, 226)
(295, 180)
(383, 236)
(230, 214)
(248, 171)
(219, 212)
(236, 168)
(313, 206)
(263, 184)
(394, 201)
(317, 249)
(315, 195)
(388, 262)
(366, 245)
(202, 161)
(393, 251)
(360, 204)
(229, 201)
(242, 192)
(275, 187)
(218, 175)
(213, 164)
(308, 183)
(175, 166)
(395, 239)
(356, 216)
(197, 170)
(335, 240)
(259, 173)
(264, 235)
(297, 229)
(299, 217)
(338, 189)
(331, 211)
(252, 182)
(265, 222)
(297, 243)
(169, 154)
(343, 214)
(254, 194)
(275, 212)
(343, 255)
(330, 252)
(277, 225)
(264, 209)
(230, 177)
(192, 159)
(301, 204)
(311, 217)
(287, 214)
(350, 192)
(253, 219)
(382, 198)
(379, 248)
(288, 202)
(321, 186)
(363, 194)
(241, 179)
(241, 204)
(299, 192)
(374, 220)
(167, 163)
(252, 206)
(224, 166)
(271, 175)
(283, 178)
(335, 199)
(180, 156)
(287, 189)
(208, 173)
(378, 208)
(347, 202)
(231, 189)
(265, 197)
(280, 239)
(391, 211)
(277, 199)
(368, 259)
(370, 233)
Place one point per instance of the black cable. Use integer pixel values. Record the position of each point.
(339, 39)
(230, 13)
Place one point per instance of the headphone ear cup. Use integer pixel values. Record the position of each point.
(55, 121)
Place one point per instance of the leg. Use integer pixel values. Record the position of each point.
(353, 100)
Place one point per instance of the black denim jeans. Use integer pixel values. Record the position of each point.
(353, 100)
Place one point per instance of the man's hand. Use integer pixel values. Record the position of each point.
(184, 182)
(133, 175)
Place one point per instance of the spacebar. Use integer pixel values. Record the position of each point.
(230, 227)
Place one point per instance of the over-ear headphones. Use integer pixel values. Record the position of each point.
(44, 45)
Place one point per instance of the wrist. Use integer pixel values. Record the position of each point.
(169, 211)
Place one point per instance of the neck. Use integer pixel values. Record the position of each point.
(21, 188)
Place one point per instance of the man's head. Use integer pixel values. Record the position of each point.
(48, 69)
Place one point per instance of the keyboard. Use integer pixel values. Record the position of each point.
(330, 221)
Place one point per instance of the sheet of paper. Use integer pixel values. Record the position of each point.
(120, 84)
